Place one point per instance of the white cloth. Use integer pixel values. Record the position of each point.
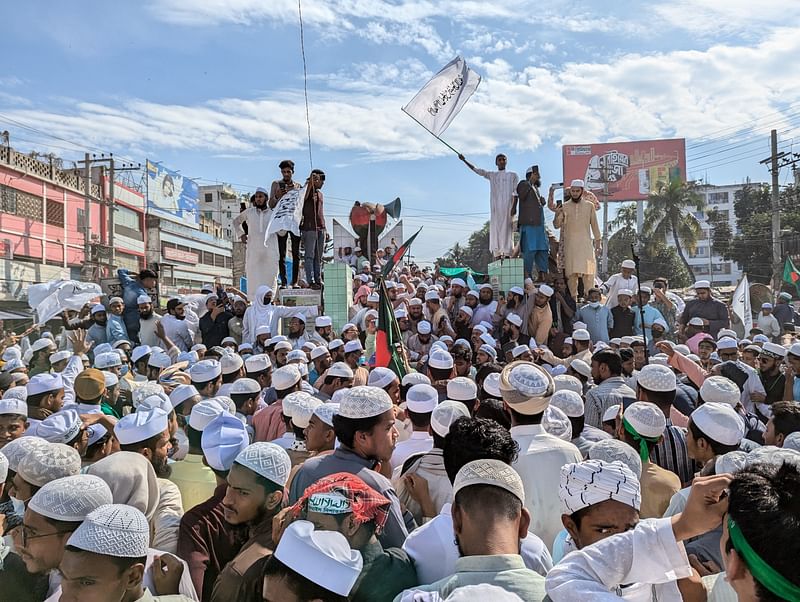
(433, 549)
(613, 285)
(678, 502)
(483, 313)
(502, 191)
(541, 456)
(430, 467)
(68, 375)
(418, 442)
(261, 259)
(596, 572)
(752, 385)
(178, 332)
(147, 331)
(167, 518)
(769, 325)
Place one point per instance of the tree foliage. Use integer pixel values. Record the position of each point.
(475, 254)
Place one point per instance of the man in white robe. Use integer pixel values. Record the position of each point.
(261, 260)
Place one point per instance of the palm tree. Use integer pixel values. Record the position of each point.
(626, 218)
(669, 213)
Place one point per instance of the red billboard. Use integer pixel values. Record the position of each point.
(625, 171)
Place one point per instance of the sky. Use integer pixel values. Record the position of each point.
(215, 89)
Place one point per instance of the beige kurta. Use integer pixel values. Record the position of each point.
(576, 220)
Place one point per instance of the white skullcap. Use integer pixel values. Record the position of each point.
(731, 462)
(776, 456)
(245, 386)
(141, 299)
(517, 290)
(223, 439)
(546, 290)
(760, 338)
(102, 348)
(263, 329)
(415, 301)
(353, 346)
(296, 354)
(13, 364)
(228, 340)
(569, 402)
(158, 400)
(773, 350)
(181, 393)
(3, 468)
(232, 362)
(702, 284)
(381, 377)
(198, 347)
(581, 334)
(488, 350)
(576, 183)
(340, 370)
(719, 422)
(795, 349)
(43, 343)
(323, 321)
(581, 368)
(519, 350)
(17, 449)
(257, 363)
(614, 450)
(139, 352)
(318, 352)
(424, 327)
(440, 344)
(440, 359)
(205, 371)
(792, 441)
(60, 427)
(556, 422)
(54, 462)
(490, 472)
(364, 402)
(285, 377)
(11, 405)
(611, 413)
(326, 412)
(415, 378)
(110, 379)
(110, 359)
(322, 557)
(646, 290)
(727, 343)
(491, 384)
(626, 340)
(646, 419)
(12, 353)
(696, 321)
(115, 530)
(422, 398)
(373, 298)
(462, 388)
(268, 460)
(514, 319)
(141, 425)
(445, 414)
(59, 356)
(432, 295)
(479, 327)
(44, 383)
(159, 359)
(567, 382)
(302, 408)
(684, 349)
(458, 282)
(654, 377)
(71, 498)
(526, 387)
(659, 359)
(205, 411)
(400, 313)
(590, 482)
(718, 389)
(628, 263)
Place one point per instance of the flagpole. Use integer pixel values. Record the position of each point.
(430, 132)
(639, 299)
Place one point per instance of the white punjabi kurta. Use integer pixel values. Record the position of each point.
(502, 191)
(616, 283)
(261, 260)
(578, 224)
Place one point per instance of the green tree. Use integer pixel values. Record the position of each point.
(669, 214)
(475, 254)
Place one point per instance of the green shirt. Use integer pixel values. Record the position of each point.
(386, 573)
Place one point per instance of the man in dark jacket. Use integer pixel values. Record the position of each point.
(714, 313)
(214, 324)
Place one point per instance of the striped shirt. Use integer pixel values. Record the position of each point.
(672, 453)
(601, 397)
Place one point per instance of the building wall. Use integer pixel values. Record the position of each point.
(221, 204)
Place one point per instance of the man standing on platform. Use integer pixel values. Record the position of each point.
(575, 218)
(533, 242)
(503, 191)
(261, 259)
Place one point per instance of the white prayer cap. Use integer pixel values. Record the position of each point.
(224, 438)
(773, 350)
(17, 449)
(726, 343)
(141, 299)
(727, 332)
(364, 402)
(102, 348)
(198, 347)
(696, 322)
(115, 530)
(590, 482)
(61, 427)
(381, 377)
(335, 344)
(323, 321)
(577, 183)
(732, 461)
(141, 425)
(661, 322)
(228, 340)
(611, 413)
(462, 388)
(581, 334)
(792, 441)
(440, 359)
(646, 419)
(422, 399)
(616, 451)
(245, 386)
(266, 459)
(59, 356)
(466, 309)
(684, 349)
(581, 367)
(3, 468)
(303, 409)
(257, 363)
(432, 295)
(159, 359)
(718, 389)
(296, 354)
(110, 379)
(795, 349)
(44, 383)
(479, 327)
(626, 340)
(10, 405)
(54, 462)
(340, 370)
(205, 411)
(519, 350)
(514, 319)
(225, 389)
(776, 456)
(318, 352)
(326, 412)
(458, 282)
(71, 498)
(654, 377)
(139, 352)
(526, 387)
(568, 382)
(490, 472)
(373, 298)
(353, 346)
(629, 263)
(231, 363)
(445, 414)
(416, 301)
(546, 290)
(440, 344)
(43, 343)
(424, 327)
(488, 350)
(285, 377)
(659, 359)
(569, 402)
(491, 384)
(702, 284)
(557, 423)
(205, 371)
(401, 313)
(263, 329)
(760, 338)
(719, 422)
(322, 557)
(12, 353)
(624, 292)
(160, 400)
(13, 364)
(415, 378)
(646, 289)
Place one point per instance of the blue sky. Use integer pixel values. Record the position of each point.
(214, 88)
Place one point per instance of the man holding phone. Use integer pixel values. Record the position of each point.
(533, 242)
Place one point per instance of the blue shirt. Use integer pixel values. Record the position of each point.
(598, 321)
(651, 314)
(115, 329)
(131, 289)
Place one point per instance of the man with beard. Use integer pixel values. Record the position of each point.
(132, 289)
(487, 306)
(420, 344)
(261, 259)
(533, 242)
(471, 301)
(462, 323)
(770, 360)
(576, 218)
(456, 299)
(176, 328)
(236, 323)
(437, 315)
(323, 327)
(511, 332)
(415, 315)
(336, 347)
(297, 331)
(214, 324)
(148, 319)
(115, 325)
(540, 319)
(147, 433)
(97, 331)
(712, 312)
(401, 315)
(503, 191)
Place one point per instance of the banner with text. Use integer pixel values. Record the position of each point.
(287, 214)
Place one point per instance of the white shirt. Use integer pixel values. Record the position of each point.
(178, 332)
(613, 285)
(147, 331)
(68, 376)
(483, 313)
(433, 549)
(418, 442)
(541, 456)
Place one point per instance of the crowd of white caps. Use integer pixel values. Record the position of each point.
(531, 447)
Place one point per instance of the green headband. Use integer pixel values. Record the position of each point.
(761, 571)
(644, 453)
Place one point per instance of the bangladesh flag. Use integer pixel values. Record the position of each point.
(398, 255)
(791, 275)
(388, 340)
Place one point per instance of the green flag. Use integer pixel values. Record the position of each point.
(791, 275)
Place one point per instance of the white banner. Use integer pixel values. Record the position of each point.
(440, 100)
(287, 214)
(740, 304)
(51, 298)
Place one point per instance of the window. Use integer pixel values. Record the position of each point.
(700, 251)
(55, 213)
(127, 223)
(207, 215)
(8, 199)
(718, 197)
(209, 197)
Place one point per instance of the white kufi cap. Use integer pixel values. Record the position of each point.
(462, 388)
(526, 387)
(71, 498)
(364, 402)
(61, 427)
(590, 482)
(141, 425)
(490, 472)
(568, 402)
(445, 414)
(718, 389)
(54, 462)
(614, 450)
(223, 439)
(719, 422)
(268, 460)
(113, 530)
(658, 378)
(422, 398)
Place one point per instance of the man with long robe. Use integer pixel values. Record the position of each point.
(261, 260)
(576, 218)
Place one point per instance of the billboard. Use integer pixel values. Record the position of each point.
(171, 196)
(630, 170)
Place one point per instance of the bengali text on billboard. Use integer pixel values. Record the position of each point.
(625, 171)
(172, 196)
